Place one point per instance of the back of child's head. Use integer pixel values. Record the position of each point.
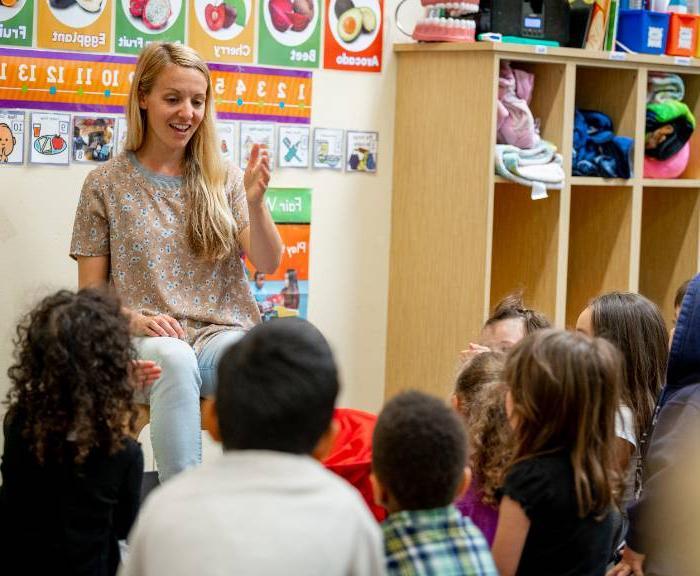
(419, 451)
(512, 310)
(680, 294)
(479, 371)
(634, 324)
(70, 377)
(277, 388)
(564, 388)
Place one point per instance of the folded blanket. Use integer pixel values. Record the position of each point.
(539, 167)
(669, 125)
(515, 124)
(662, 86)
(597, 150)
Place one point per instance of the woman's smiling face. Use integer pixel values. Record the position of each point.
(174, 107)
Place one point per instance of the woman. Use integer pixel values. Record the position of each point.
(165, 222)
(291, 289)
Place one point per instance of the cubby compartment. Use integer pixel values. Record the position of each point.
(599, 244)
(547, 104)
(692, 99)
(669, 243)
(612, 91)
(525, 246)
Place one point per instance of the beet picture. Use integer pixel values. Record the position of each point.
(294, 14)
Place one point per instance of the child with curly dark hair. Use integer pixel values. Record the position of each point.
(71, 475)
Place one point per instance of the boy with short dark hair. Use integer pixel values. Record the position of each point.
(419, 460)
(266, 507)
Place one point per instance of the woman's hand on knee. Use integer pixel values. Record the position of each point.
(144, 373)
(159, 325)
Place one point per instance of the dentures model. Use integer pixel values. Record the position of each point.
(440, 29)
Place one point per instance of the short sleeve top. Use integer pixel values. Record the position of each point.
(558, 542)
(138, 219)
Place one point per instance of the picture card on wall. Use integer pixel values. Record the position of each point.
(93, 138)
(121, 131)
(140, 22)
(11, 137)
(293, 146)
(85, 26)
(361, 151)
(50, 134)
(328, 148)
(16, 22)
(227, 139)
(257, 133)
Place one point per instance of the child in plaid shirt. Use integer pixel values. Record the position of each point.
(419, 468)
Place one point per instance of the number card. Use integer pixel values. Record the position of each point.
(49, 138)
(328, 148)
(293, 146)
(93, 138)
(361, 151)
(227, 139)
(263, 134)
(61, 81)
(11, 137)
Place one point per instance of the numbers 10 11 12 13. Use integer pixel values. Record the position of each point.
(56, 74)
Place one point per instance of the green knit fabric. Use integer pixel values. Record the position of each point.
(669, 110)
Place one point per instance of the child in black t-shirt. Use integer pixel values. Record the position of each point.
(71, 475)
(554, 517)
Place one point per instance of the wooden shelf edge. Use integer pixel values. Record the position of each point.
(671, 183)
(594, 181)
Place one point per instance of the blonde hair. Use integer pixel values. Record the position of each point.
(210, 224)
(566, 390)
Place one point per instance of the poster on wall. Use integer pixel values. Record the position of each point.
(11, 137)
(93, 138)
(120, 136)
(290, 33)
(293, 146)
(84, 25)
(226, 132)
(286, 292)
(16, 22)
(328, 148)
(263, 134)
(50, 134)
(140, 22)
(223, 30)
(361, 151)
(353, 37)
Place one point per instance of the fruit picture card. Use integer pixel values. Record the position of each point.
(16, 22)
(290, 33)
(11, 137)
(361, 151)
(223, 30)
(353, 35)
(84, 25)
(328, 148)
(139, 22)
(293, 146)
(50, 134)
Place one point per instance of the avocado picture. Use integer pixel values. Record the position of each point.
(342, 6)
(369, 19)
(350, 24)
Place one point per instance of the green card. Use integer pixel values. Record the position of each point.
(139, 23)
(17, 23)
(289, 205)
(289, 33)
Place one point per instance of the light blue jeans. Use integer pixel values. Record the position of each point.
(174, 397)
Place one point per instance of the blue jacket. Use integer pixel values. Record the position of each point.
(658, 517)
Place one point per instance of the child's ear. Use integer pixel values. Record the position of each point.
(210, 419)
(454, 401)
(325, 443)
(381, 497)
(464, 483)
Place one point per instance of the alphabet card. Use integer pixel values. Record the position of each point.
(11, 137)
(361, 151)
(227, 139)
(293, 146)
(257, 133)
(50, 137)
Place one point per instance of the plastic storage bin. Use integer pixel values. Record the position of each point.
(643, 30)
(682, 35)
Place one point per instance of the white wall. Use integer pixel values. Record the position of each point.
(349, 243)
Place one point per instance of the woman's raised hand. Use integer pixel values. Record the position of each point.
(257, 175)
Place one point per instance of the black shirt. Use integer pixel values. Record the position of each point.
(559, 542)
(65, 519)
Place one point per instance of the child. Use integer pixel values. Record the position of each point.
(509, 322)
(266, 507)
(419, 462)
(554, 517)
(71, 476)
(479, 398)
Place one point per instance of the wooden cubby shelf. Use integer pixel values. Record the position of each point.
(476, 236)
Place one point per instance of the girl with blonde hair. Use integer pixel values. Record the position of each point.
(165, 223)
